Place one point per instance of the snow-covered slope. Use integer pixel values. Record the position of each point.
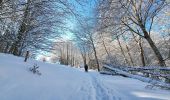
(59, 82)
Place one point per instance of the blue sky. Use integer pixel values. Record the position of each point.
(84, 10)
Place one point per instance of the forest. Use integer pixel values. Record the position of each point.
(84, 49)
(93, 32)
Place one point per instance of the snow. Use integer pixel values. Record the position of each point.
(59, 82)
(144, 79)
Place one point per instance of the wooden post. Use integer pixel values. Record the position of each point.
(26, 56)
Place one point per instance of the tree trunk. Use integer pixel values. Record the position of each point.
(154, 48)
(67, 58)
(103, 42)
(141, 50)
(95, 54)
(0, 3)
(83, 54)
(128, 51)
(142, 53)
(130, 55)
(26, 56)
(6, 48)
(127, 62)
(84, 58)
(23, 28)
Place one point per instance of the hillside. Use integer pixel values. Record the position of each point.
(59, 82)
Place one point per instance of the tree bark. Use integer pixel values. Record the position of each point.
(142, 53)
(26, 56)
(153, 46)
(95, 54)
(6, 48)
(67, 58)
(129, 55)
(141, 50)
(128, 51)
(16, 45)
(127, 62)
(84, 58)
(103, 42)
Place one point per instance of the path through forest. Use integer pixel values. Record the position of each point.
(59, 82)
(122, 88)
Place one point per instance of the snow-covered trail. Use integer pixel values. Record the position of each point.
(121, 88)
(59, 82)
(102, 92)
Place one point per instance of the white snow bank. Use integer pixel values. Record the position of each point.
(59, 82)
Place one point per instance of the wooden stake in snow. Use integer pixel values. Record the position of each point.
(26, 56)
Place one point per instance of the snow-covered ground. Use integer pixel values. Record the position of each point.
(59, 82)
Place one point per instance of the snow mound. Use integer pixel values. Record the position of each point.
(59, 82)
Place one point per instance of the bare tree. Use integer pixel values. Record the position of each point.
(136, 16)
(86, 35)
(36, 22)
